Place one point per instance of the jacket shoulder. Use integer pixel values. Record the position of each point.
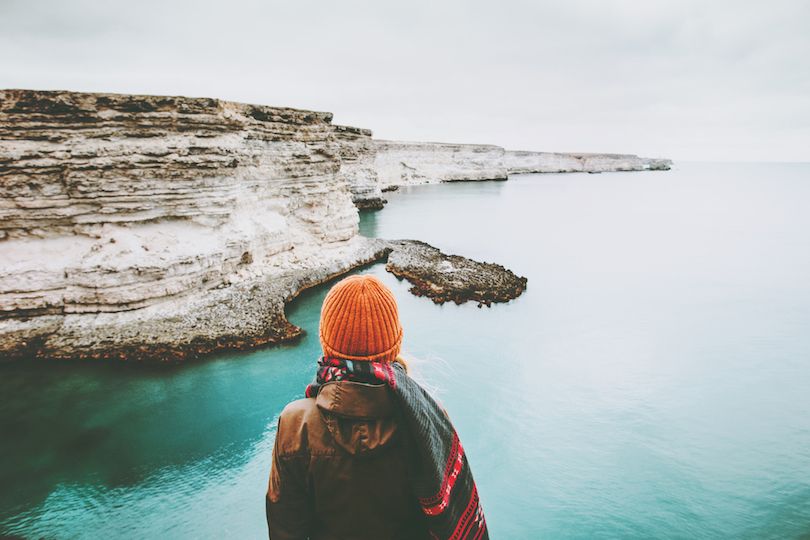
(299, 423)
(299, 409)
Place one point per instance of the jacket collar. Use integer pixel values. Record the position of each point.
(355, 400)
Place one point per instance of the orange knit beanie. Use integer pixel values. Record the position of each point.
(360, 321)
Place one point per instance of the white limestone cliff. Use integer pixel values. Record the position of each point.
(144, 226)
(357, 152)
(165, 228)
(402, 163)
(520, 162)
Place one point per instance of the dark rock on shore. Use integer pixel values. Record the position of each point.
(451, 278)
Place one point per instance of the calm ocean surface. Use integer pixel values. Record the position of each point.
(653, 381)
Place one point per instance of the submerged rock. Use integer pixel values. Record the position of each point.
(451, 278)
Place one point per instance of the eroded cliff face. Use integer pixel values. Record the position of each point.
(166, 228)
(401, 163)
(357, 152)
(519, 162)
(163, 227)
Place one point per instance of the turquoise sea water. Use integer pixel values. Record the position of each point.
(653, 381)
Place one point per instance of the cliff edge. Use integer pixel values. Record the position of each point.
(403, 163)
(163, 227)
(166, 228)
(520, 162)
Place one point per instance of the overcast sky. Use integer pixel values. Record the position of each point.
(686, 79)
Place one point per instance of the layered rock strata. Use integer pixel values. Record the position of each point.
(166, 228)
(401, 163)
(163, 227)
(519, 162)
(452, 278)
(357, 153)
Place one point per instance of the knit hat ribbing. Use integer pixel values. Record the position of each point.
(360, 321)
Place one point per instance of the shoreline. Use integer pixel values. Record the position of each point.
(418, 262)
(149, 228)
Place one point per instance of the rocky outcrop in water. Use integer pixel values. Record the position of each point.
(357, 153)
(452, 278)
(163, 227)
(401, 163)
(519, 162)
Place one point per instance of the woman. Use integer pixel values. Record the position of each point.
(368, 453)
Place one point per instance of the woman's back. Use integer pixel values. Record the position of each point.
(369, 453)
(339, 468)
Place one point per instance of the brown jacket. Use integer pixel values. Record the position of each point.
(339, 469)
